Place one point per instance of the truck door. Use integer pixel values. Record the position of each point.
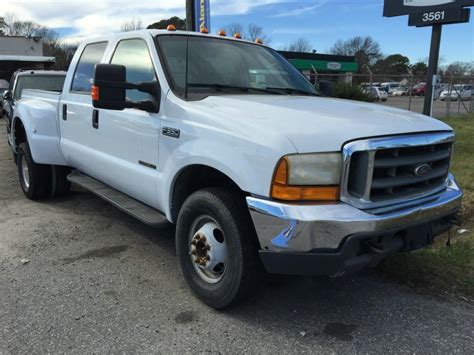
(75, 112)
(127, 151)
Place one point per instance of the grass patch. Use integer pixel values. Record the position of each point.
(441, 268)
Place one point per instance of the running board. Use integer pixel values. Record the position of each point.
(134, 208)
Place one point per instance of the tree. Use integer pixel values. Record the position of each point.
(395, 64)
(2, 26)
(458, 69)
(234, 28)
(132, 25)
(366, 50)
(254, 31)
(179, 23)
(300, 45)
(419, 69)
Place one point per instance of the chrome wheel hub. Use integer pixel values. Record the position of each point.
(25, 172)
(208, 250)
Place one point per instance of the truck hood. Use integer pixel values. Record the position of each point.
(315, 123)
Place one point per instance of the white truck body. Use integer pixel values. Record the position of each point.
(243, 137)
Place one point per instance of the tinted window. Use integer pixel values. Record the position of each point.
(134, 54)
(39, 82)
(84, 74)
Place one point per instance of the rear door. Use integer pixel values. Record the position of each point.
(76, 113)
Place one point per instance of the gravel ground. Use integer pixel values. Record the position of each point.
(98, 281)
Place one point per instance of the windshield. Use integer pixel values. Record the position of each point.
(220, 66)
(39, 82)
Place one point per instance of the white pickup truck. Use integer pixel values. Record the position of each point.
(227, 140)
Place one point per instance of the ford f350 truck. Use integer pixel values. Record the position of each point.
(227, 140)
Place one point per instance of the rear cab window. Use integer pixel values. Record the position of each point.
(84, 74)
(39, 82)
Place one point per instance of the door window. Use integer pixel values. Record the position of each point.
(84, 74)
(134, 55)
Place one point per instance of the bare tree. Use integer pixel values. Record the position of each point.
(300, 45)
(459, 68)
(254, 31)
(234, 28)
(365, 49)
(132, 25)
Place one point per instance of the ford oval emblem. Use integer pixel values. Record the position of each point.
(422, 170)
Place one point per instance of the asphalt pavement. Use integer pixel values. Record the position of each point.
(77, 275)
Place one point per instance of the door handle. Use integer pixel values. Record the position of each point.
(95, 119)
(64, 112)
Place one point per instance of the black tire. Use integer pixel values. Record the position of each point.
(60, 185)
(243, 268)
(39, 176)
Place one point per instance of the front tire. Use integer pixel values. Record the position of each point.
(217, 247)
(35, 179)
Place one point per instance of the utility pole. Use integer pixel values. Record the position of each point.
(432, 67)
(190, 15)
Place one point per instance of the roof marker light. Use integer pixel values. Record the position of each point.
(171, 28)
(237, 35)
(204, 30)
(222, 33)
(259, 41)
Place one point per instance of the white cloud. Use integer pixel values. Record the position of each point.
(90, 18)
(302, 10)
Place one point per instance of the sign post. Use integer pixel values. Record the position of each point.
(198, 15)
(433, 13)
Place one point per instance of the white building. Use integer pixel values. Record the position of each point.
(22, 53)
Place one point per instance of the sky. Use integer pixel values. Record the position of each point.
(321, 22)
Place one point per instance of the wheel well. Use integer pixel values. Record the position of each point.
(194, 178)
(19, 133)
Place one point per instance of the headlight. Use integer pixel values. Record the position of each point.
(307, 177)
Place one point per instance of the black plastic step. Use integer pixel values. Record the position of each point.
(127, 204)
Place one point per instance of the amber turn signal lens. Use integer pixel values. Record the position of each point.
(95, 93)
(305, 193)
(282, 191)
(171, 28)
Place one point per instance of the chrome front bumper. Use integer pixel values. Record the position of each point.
(305, 228)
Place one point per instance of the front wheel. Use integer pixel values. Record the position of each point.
(217, 247)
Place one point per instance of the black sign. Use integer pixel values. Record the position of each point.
(447, 16)
(406, 7)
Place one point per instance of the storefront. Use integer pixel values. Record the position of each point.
(331, 67)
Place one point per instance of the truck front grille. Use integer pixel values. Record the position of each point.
(392, 170)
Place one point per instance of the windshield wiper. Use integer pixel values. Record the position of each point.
(290, 91)
(235, 88)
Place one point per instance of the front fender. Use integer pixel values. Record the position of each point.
(39, 120)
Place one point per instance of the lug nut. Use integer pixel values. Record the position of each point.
(208, 257)
(207, 247)
(203, 239)
(197, 261)
(203, 262)
(193, 242)
(194, 252)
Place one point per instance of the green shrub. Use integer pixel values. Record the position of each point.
(351, 92)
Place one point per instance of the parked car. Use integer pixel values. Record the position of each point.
(377, 94)
(3, 88)
(266, 176)
(463, 92)
(31, 79)
(419, 89)
(400, 91)
(388, 87)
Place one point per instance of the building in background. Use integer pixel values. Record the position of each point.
(312, 64)
(22, 53)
